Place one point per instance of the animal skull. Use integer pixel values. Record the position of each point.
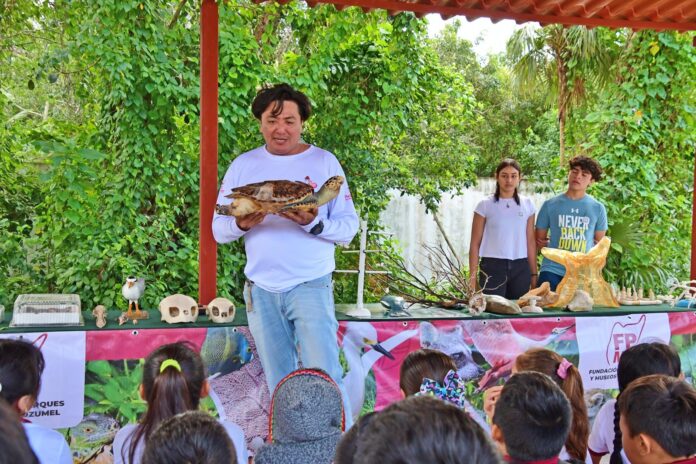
(99, 313)
(220, 310)
(178, 308)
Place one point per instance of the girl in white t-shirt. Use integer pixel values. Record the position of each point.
(502, 236)
(637, 361)
(174, 381)
(21, 366)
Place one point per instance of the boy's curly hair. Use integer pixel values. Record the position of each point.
(587, 164)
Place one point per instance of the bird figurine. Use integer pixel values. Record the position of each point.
(132, 290)
(396, 306)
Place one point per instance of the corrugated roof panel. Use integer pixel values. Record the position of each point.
(636, 14)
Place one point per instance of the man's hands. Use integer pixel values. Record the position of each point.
(250, 220)
(299, 216)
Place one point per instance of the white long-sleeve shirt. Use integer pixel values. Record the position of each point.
(281, 253)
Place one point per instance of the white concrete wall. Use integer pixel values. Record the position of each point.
(407, 219)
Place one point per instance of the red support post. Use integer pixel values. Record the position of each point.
(693, 219)
(207, 248)
(693, 214)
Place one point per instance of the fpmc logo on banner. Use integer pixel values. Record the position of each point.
(623, 336)
(602, 340)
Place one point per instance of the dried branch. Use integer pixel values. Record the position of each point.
(447, 288)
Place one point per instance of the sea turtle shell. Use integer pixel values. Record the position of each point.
(271, 196)
(274, 192)
(274, 196)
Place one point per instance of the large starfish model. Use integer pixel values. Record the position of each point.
(583, 272)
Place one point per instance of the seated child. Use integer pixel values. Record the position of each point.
(637, 361)
(347, 446)
(658, 421)
(566, 376)
(306, 420)
(21, 366)
(13, 441)
(422, 429)
(424, 364)
(174, 381)
(193, 437)
(432, 372)
(532, 419)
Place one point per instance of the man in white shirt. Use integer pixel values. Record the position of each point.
(290, 256)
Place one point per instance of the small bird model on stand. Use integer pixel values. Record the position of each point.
(132, 290)
(396, 306)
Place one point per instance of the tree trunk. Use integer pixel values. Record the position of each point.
(562, 106)
(561, 138)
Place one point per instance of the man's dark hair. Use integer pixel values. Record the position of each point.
(424, 429)
(587, 164)
(277, 95)
(664, 408)
(193, 437)
(534, 416)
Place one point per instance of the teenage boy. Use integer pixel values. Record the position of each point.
(574, 220)
(531, 420)
(667, 434)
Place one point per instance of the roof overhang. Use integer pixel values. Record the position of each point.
(677, 15)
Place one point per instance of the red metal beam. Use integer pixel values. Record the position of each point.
(207, 248)
(693, 219)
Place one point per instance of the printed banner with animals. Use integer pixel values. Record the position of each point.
(484, 351)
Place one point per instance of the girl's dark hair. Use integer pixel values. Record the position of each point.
(423, 363)
(21, 366)
(169, 392)
(277, 95)
(636, 362)
(548, 362)
(193, 437)
(507, 162)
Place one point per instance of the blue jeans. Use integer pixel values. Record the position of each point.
(551, 278)
(302, 319)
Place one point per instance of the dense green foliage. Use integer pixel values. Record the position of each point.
(508, 124)
(99, 132)
(118, 188)
(566, 63)
(644, 134)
